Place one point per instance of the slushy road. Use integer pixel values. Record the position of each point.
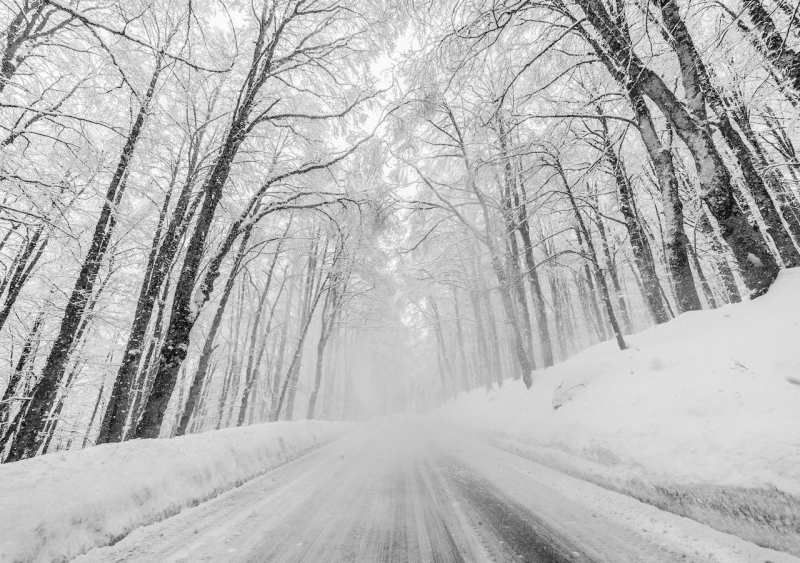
(395, 492)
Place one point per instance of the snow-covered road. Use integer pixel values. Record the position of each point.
(400, 490)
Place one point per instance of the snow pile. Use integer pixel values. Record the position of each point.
(55, 507)
(701, 416)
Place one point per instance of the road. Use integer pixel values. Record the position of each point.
(404, 492)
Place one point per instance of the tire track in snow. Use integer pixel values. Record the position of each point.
(389, 494)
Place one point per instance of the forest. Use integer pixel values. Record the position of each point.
(216, 213)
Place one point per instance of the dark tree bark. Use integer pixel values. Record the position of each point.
(786, 201)
(243, 323)
(642, 253)
(162, 258)
(520, 206)
(513, 254)
(276, 47)
(184, 308)
(29, 438)
(725, 272)
(712, 302)
(32, 25)
(674, 236)
(77, 365)
(784, 60)
(611, 267)
(532, 274)
(200, 375)
(758, 266)
(23, 367)
(24, 263)
(697, 79)
(782, 142)
(144, 381)
(95, 410)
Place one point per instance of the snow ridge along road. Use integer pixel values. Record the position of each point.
(55, 507)
(699, 416)
(401, 490)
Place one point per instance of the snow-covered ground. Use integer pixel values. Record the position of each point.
(402, 489)
(54, 507)
(700, 416)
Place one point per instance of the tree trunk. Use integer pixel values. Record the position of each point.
(330, 309)
(159, 264)
(494, 338)
(786, 201)
(26, 357)
(144, 381)
(94, 415)
(200, 375)
(310, 300)
(517, 332)
(612, 270)
(262, 349)
(29, 438)
(560, 310)
(675, 239)
(252, 370)
(442, 348)
(523, 228)
(758, 266)
(278, 365)
(642, 253)
(725, 272)
(291, 373)
(189, 300)
(484, 362)
(784, 59)
(24, 263)
(694, 72)
(612, 318)
(509, 214)
(466, 376)
(712, 303)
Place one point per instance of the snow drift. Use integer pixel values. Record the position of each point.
(55, 507)
(701, 416)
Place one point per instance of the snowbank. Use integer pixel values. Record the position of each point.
(55, 507)
(701, 416)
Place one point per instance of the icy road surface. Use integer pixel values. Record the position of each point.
(400, 491)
